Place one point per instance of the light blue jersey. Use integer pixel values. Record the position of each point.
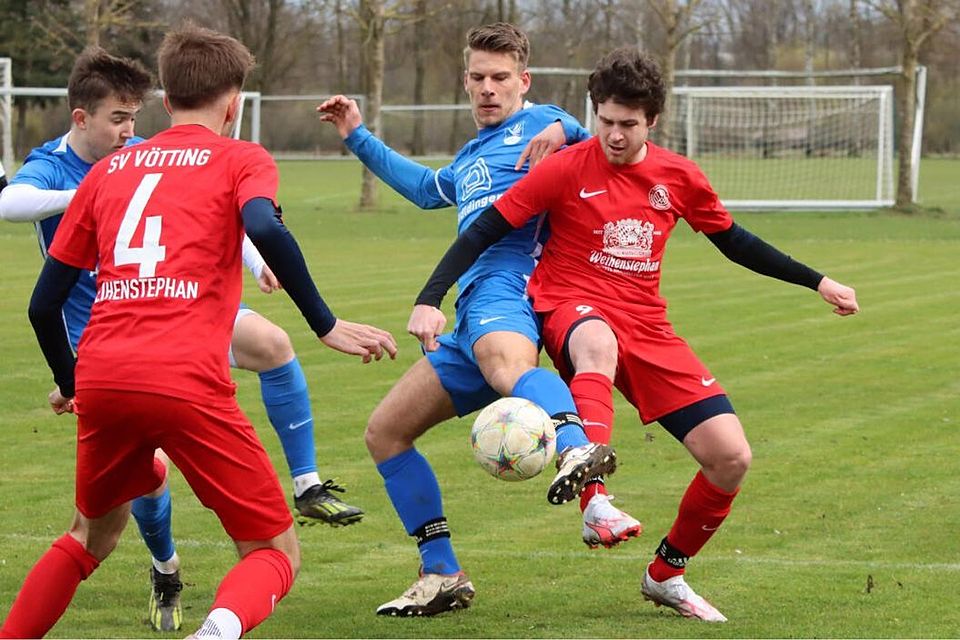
(480, 173)
(54, 166)
(491, 294)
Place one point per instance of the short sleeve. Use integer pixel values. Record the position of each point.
(702, 208)
(532, 194)
(42, 173)
(256, 177)
(75, 242)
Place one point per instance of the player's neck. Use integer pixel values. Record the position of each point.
(78, 143)
(203, 117)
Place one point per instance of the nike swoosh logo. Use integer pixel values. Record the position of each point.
(589, 194)
(484, 321)
(707, 381)
(706, 528)
(294, 427)
(591, 423)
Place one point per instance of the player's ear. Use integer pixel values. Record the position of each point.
(79, 118)
(166, 105)
(652, 122)
(524, 81)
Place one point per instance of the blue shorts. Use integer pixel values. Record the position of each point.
(497, 302)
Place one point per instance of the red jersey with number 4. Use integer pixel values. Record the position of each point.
(161, 222)
(609, 223)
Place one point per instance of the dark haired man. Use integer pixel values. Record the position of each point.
(613, 202)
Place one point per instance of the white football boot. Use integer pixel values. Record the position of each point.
(431, 594)
(604, 524)
(676, 593)
(575, 466)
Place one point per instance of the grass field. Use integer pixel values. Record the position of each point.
(846, 526)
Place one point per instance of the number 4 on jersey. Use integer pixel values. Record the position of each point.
(152, 251)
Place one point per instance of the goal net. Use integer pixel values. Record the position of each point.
(789, 147)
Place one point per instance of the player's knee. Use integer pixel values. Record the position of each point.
(593, 347)
(732, 468)
(277, 350)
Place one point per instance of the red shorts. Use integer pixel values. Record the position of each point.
(216, 450)
(657, 371)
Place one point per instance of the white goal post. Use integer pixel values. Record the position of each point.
(790, 146)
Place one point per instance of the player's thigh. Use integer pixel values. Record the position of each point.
(416, 402)
(116, 440)
(223, 461)
(258, 344)
(578, 338)
(658, 371)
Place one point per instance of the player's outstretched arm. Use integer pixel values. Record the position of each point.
(283, 256)
(842, 297)
(426, 320)
(46, 315)
(341, 112)
(27, 203)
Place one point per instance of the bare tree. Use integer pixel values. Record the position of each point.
(420, 28)
(915, 21)
(679, 20)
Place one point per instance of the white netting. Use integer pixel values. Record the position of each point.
(789, 146)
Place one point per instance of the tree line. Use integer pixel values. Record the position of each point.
(410, 51)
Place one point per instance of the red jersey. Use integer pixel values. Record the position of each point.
(609, 223)
(161, 222)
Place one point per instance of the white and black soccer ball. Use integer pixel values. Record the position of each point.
(513, 439)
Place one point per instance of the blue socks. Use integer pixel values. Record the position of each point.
(413, 489)
(284, 392)
(550, 392)
(153, 520)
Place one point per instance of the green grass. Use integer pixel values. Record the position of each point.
(853, 423)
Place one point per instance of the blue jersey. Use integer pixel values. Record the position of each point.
(54, 166)
(480, 173)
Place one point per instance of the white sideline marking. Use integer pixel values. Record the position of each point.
(622, 554)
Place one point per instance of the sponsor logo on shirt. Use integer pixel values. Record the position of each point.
(659, 198)
(627, 246)
(513, 135)
(477, 179)
(147, 288)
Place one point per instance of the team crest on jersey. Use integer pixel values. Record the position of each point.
(476, 179)
(660, 198)
(629, 238)
(513, 135)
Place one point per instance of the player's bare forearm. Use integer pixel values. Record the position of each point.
(366, 341)
(842, 297)
(425, 324)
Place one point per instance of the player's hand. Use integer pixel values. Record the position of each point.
(342, 112)
(59, 403)
(361, 340)
(426, 323)
(842, 297)
(542, 145)
(268, 282)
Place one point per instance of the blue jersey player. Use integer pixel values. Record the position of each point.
(105, 93)
(494, 345)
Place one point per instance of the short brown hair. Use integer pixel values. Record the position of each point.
(628, 77)
(199, 65)
(96, 75)
(499, 37)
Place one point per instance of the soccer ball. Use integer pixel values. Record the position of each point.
(513, 439)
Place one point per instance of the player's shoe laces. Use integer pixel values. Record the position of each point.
(165, 612)
(676, 593)
(318, 504)
(431, 594)
(604, 524)
(575, 466)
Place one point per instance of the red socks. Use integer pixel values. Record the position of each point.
(254, 586)
(593, 395)
(48, 589)
(702, 510)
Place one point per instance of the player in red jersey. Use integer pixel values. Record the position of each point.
(613, 202)
(163, 222)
